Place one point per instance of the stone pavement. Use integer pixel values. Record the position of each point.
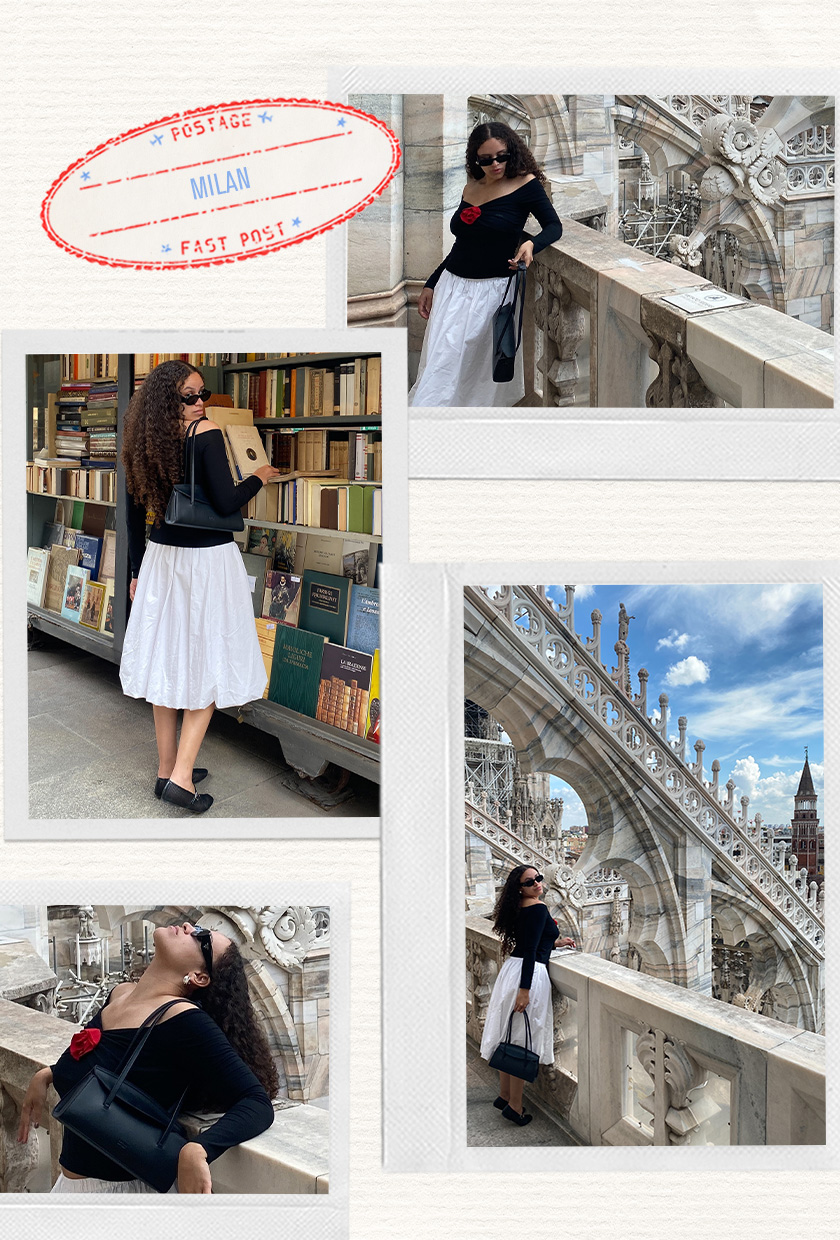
(92, 752)
(486, 1126)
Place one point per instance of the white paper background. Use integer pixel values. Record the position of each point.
(77, 74)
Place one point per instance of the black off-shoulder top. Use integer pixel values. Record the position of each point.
(486, 237)
(188, 1049)
(536, 933)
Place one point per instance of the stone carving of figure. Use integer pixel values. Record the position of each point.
(634, 959)
(623, 623)
(86, 930)
(615, 954)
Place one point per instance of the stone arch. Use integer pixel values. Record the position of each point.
(773, 950)
(550, 735)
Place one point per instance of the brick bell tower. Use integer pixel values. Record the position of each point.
(806, 835)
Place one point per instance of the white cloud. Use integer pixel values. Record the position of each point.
(674, 641)
(754, 615)
(772, 796)
(583, 592)
(782, 706)
(690, 671)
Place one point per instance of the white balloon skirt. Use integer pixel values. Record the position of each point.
(91, 1185)
(456, 363)
(540, 1012)
(191, 639)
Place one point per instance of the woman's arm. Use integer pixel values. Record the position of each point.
(538, 205)
(34, 1103)
(212, 1066)
(135, 519)
(530, 928)
(225, 495)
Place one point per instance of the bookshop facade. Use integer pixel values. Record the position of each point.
(311, 543)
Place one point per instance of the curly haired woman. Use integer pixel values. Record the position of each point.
(504, 186)
(216, 1051)
(190, 643)
(529, 935)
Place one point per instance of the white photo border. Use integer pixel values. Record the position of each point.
(424, 1021)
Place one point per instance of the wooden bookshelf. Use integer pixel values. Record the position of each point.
(76, 499)
(346, 535)
(334, 422)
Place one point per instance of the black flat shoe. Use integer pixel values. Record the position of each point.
(516, 1118)
(199, 773)
(174, 794)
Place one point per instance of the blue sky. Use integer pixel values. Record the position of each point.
(742, 662)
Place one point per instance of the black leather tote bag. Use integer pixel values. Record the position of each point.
(123, 1122)
(517, 1060)
(188, 505)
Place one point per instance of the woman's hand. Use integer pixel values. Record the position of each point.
(525, 254)
(132, 589)
(523, 998)
(193, 1171)
(266, 473)
(424, 302)
(34, 1103)
(565, 943)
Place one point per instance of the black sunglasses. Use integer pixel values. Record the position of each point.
(205, 942)
(191, 397)
(531, 882)
(484, 161)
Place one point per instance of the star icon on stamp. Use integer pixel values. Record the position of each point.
(295, 223)
(157, 140)
(85, 176)
(164, 249)
(342, 121)
(265, 117)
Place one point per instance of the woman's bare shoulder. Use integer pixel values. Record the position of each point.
(207, 425)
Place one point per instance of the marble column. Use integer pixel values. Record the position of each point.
(375, 251)
(434, 146)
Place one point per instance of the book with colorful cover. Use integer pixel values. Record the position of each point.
(93, 599)
(344, 689)
(91, 553)
(37, 562)
(374, 704)
(261, 541)
(363, 619)
(324, 605)
(74, 584)
(281, 600)
(284, 552)
(296, 669)
(107, 617)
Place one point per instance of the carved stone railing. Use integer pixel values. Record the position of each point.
(503, 841)
(744, 355)
(639, 1061)
(290, 1157)
(546, 630)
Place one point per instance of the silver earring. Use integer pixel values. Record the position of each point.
(186, 979)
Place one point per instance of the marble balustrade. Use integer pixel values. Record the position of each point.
(639, 1061)
(644, 350)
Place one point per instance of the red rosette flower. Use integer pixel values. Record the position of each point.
(84, 1041)
(470, 214)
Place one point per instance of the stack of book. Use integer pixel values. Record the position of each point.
(344, 389)
(73, 574)
(99, 419)
(318, 630)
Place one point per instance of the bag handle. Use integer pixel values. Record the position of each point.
(519, 292)
(189, 451)
(137, 1043)
(528, 1046)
